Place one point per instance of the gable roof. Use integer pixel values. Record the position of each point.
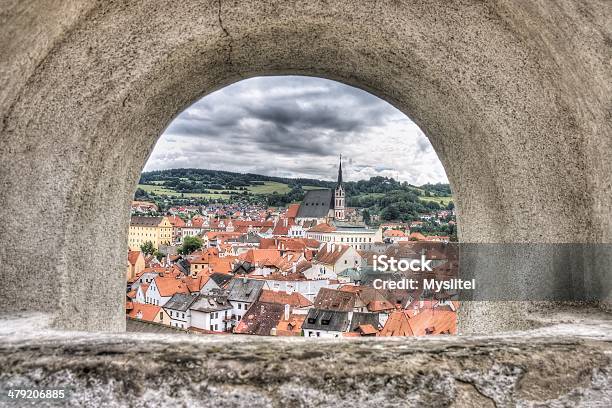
(133, 257)
(176, 221)
(332, 255)
(332, 299)
(292, 210)
(211, 303)
(245, 290)
(149, 312)
(316, 204)
(295, 299)
(220, 278)
(260, 319)
(168, 286)
(360, 319)
(180, 301)
(145, 221)
(329, 320)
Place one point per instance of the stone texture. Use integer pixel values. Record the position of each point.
(514, 96)
(563, 365)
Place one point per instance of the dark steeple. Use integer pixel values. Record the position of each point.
(340, 172)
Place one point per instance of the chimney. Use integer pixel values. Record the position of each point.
(244, 279)
(287, 310)
(333, 247)
(293, 267)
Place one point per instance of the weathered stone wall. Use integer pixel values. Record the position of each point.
(221, 371)
(514, 96)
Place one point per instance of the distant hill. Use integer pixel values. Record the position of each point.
(384, 196)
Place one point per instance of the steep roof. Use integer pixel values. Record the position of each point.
(145, 221)
(292, 210)
(360, 319)
(133, 257)
(245, 290)
(292, 326)
(145, 311)
(168, 286)
(211, 303)
(295, 299)
(180, 301)
(322, 228)
(220, 278)
(332, 255)
(316, 204)
(329, 320)
(332, 299)
(176, 221)
(260, 319)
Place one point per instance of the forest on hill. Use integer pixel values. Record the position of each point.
(383, 196)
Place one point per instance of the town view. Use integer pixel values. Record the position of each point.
(242, 253)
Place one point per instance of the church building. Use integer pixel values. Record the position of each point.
(323, 205)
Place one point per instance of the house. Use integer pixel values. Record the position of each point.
(177, 227)
(141, 293)
(149, 313)
(326, 323)
(297, 282)
(290, 324)
(331, 260)
(426, 322)
(331, 299)
(136, 264)
(178, 309)
(242, 293)
(216, 282)
(394, 236)
(261, 319)
(364, 324)
(157, 230)
(296, 301)
(163, 288)
(211, 313)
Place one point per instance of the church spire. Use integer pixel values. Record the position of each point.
(340, 171)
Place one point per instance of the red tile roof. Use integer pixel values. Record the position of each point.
(332, 255)
(322, 228)
(133, 257)
(168, 286)
(294, 299)
(149, 312)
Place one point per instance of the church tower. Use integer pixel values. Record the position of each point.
(339, 196)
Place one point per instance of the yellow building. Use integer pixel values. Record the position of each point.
(158, 230)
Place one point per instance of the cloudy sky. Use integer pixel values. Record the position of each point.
(293, 126)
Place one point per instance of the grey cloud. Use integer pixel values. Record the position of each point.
(296, 126)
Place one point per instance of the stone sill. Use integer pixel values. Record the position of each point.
(563, 364)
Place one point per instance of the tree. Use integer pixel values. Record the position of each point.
(190, 244)
(366, 216)
(147, 248)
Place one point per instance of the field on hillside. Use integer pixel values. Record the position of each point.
(443, 201)
(159, 190)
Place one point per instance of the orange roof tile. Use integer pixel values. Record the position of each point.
(168, 286)
(322, 228)
(295, 299)
(146, 311)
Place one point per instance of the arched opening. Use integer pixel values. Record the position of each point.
(516, 140)
(290, 188)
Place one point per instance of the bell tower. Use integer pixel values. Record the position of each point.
(339, 196)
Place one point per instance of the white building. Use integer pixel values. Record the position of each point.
(332, 259)
(211, 313)
(178, 309)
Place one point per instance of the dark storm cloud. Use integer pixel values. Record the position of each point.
(291, 126)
